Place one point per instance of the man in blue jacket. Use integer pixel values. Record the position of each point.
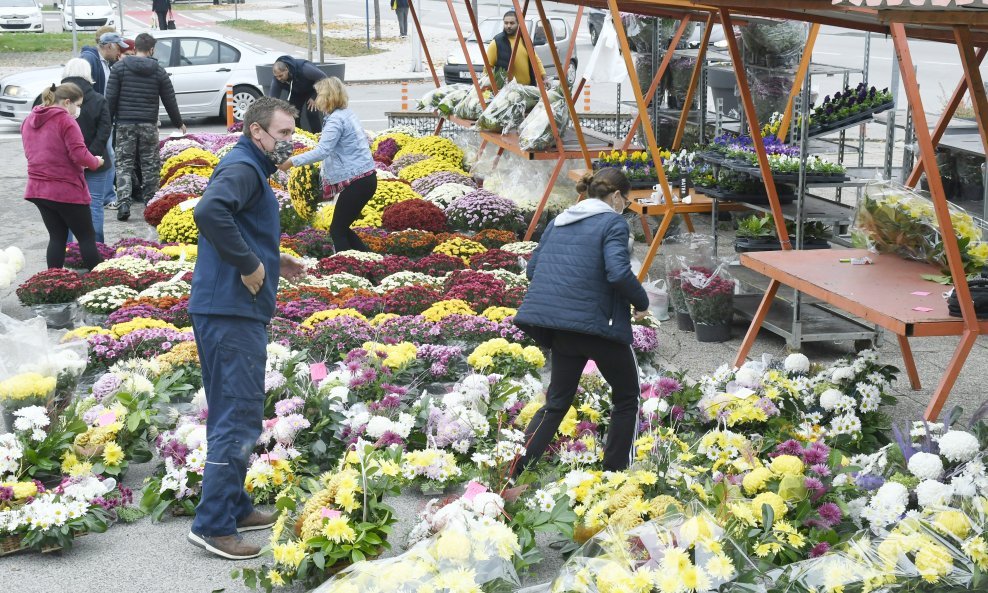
(232, 301)
(299, 78)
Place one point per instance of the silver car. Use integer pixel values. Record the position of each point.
(456, 70)
(201, 64)
(21, 15)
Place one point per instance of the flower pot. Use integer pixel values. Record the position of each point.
(58, 315)
(720, 332)
(756, 244)
(684, 322)
(97, 319)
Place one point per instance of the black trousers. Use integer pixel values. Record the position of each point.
(162, 19)
(59, 219)
(348, 206)
(570, 352)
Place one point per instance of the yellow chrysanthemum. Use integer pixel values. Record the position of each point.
(178, 226)
(26, 386)
(320, 316)
(443, 309)
(787, 465)
(305, 190)
(112, 454)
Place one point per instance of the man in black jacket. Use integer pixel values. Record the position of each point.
(135, 86)
(299, 77)
(161, 8)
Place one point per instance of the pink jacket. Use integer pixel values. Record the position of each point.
(56, 156)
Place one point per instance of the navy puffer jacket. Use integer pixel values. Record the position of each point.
(581, 275)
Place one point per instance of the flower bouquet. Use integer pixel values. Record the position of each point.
(710, 299)
(341, 521)
(508, 108)
(433, 470)
(894, 219)
(535, 132)
(177, 483)
(25, 390)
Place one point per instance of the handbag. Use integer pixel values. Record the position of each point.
(171, 21)
(979, 294)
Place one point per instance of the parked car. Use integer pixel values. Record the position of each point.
(456, 71)
(21, 15)
(596, 18)
(200, 64)
(88, 15)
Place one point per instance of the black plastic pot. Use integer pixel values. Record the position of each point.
(720, 332)
(756, 244)
(684, 322)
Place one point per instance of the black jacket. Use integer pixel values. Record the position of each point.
(161, 5)
(301, 87)
(94, 118)
(136, 84)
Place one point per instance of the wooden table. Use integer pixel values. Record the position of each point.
(880, 293)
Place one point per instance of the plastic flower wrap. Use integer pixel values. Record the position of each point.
(469, 553)
(434, 146)
(11, 262)
(895, 219)
(508, 108)
(506, 358)
(430, 468)
(535, 132)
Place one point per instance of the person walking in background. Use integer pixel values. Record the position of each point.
(347, 165)
(56, 158)
(401, 11)
(299, 77)
(135, 87)
(499, 54)
(161, 8)
(233, 298)
(94, 123)
(579, 306)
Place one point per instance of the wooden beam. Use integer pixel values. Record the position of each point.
(945, 117)
(756, 130)
(972, 74)
(483, 50)
(797, 83)
(466, 53)
(937, 16)
(701, 56)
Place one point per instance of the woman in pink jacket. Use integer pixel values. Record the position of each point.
(56, 158)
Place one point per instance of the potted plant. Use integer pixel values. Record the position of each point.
(710, 299)
(51, 294)
(756, 233)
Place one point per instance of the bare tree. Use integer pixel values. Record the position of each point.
(377, 20)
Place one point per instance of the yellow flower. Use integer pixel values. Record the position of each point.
(459, 247)
(568, 426)
(721, 567)
(25, 386)
(380, 318)
(443, 309)
(175, 251)
(178, 226)
(400, 138)
(81, 333)
(434, 146)
(767, 549)
(955, 523)
(289, 554)
(22, 490)
(320, 316)
(499, 313)
(773, 500)
(452, 545)
(276, 579)
(787, 465)
(396, 355)
(305, 190)
(120, 330)
(83, 468)
(338, 530)
(68, 462)
(933, 562)
(112, 454)
(755, 480)
(977, 549)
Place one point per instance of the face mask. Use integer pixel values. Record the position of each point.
(282, 150)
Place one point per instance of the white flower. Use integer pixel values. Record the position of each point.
(933, 493)
(842, 374)
(959, 446)
(891, 493)
(830, 398)
(926, 466)
(749, 378)
(963, 485)
(650, 406)
(797, 363)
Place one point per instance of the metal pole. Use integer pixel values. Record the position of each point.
(367, 19)
(319, 39)
(416, 53)
(890, 122)
(120, 9)
(75, 32)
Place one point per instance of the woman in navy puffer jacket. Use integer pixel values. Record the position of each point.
(579, 306)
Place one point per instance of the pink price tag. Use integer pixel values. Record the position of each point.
(922, 309)
(920, 293)
(590, 368)
(106, 419)
(317, 371)
(473, 489)
(330, 513)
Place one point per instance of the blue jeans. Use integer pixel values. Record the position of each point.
(97, 183)
(232, 351)
(110, 195)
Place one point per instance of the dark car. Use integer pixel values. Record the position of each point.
(595, 22)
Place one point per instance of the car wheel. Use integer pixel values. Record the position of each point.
(243, 98)
(593, 35)
(571, 73)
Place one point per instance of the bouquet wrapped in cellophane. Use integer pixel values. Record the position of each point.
(535, 132)
(508, 108)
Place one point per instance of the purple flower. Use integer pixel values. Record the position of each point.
(645, 340)
(819, 550)
(106, 385)
(677, 413)
(830, 513)
(6, 493)
(820, 469)
(389, 438)
(816, 453)
(767, 406)
(869, 482)
(666, 386)
(790, 447)
(815, 486)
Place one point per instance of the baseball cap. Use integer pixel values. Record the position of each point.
(130, 45)
(108, 38)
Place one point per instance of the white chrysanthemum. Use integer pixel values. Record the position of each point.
(830, 398)
(842, 374)
(926, 466)
(963, 485)
(797, 363)
(747, 377)
(891, 493)
(959, 446)
(931, 493)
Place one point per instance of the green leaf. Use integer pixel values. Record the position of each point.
(768, 518)
(159, 510)
(319, 559)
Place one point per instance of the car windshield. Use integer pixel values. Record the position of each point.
(17, 3)
(491, 27)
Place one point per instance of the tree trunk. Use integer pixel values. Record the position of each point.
(377, 20)
(308, 28)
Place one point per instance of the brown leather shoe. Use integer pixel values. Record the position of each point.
(231, 547)
(256, 520)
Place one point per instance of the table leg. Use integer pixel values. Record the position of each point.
(909, 362)
(713, 223)
(688, 221)
(654, 247)
(497, 158)
(950, 375)
(756, 322)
